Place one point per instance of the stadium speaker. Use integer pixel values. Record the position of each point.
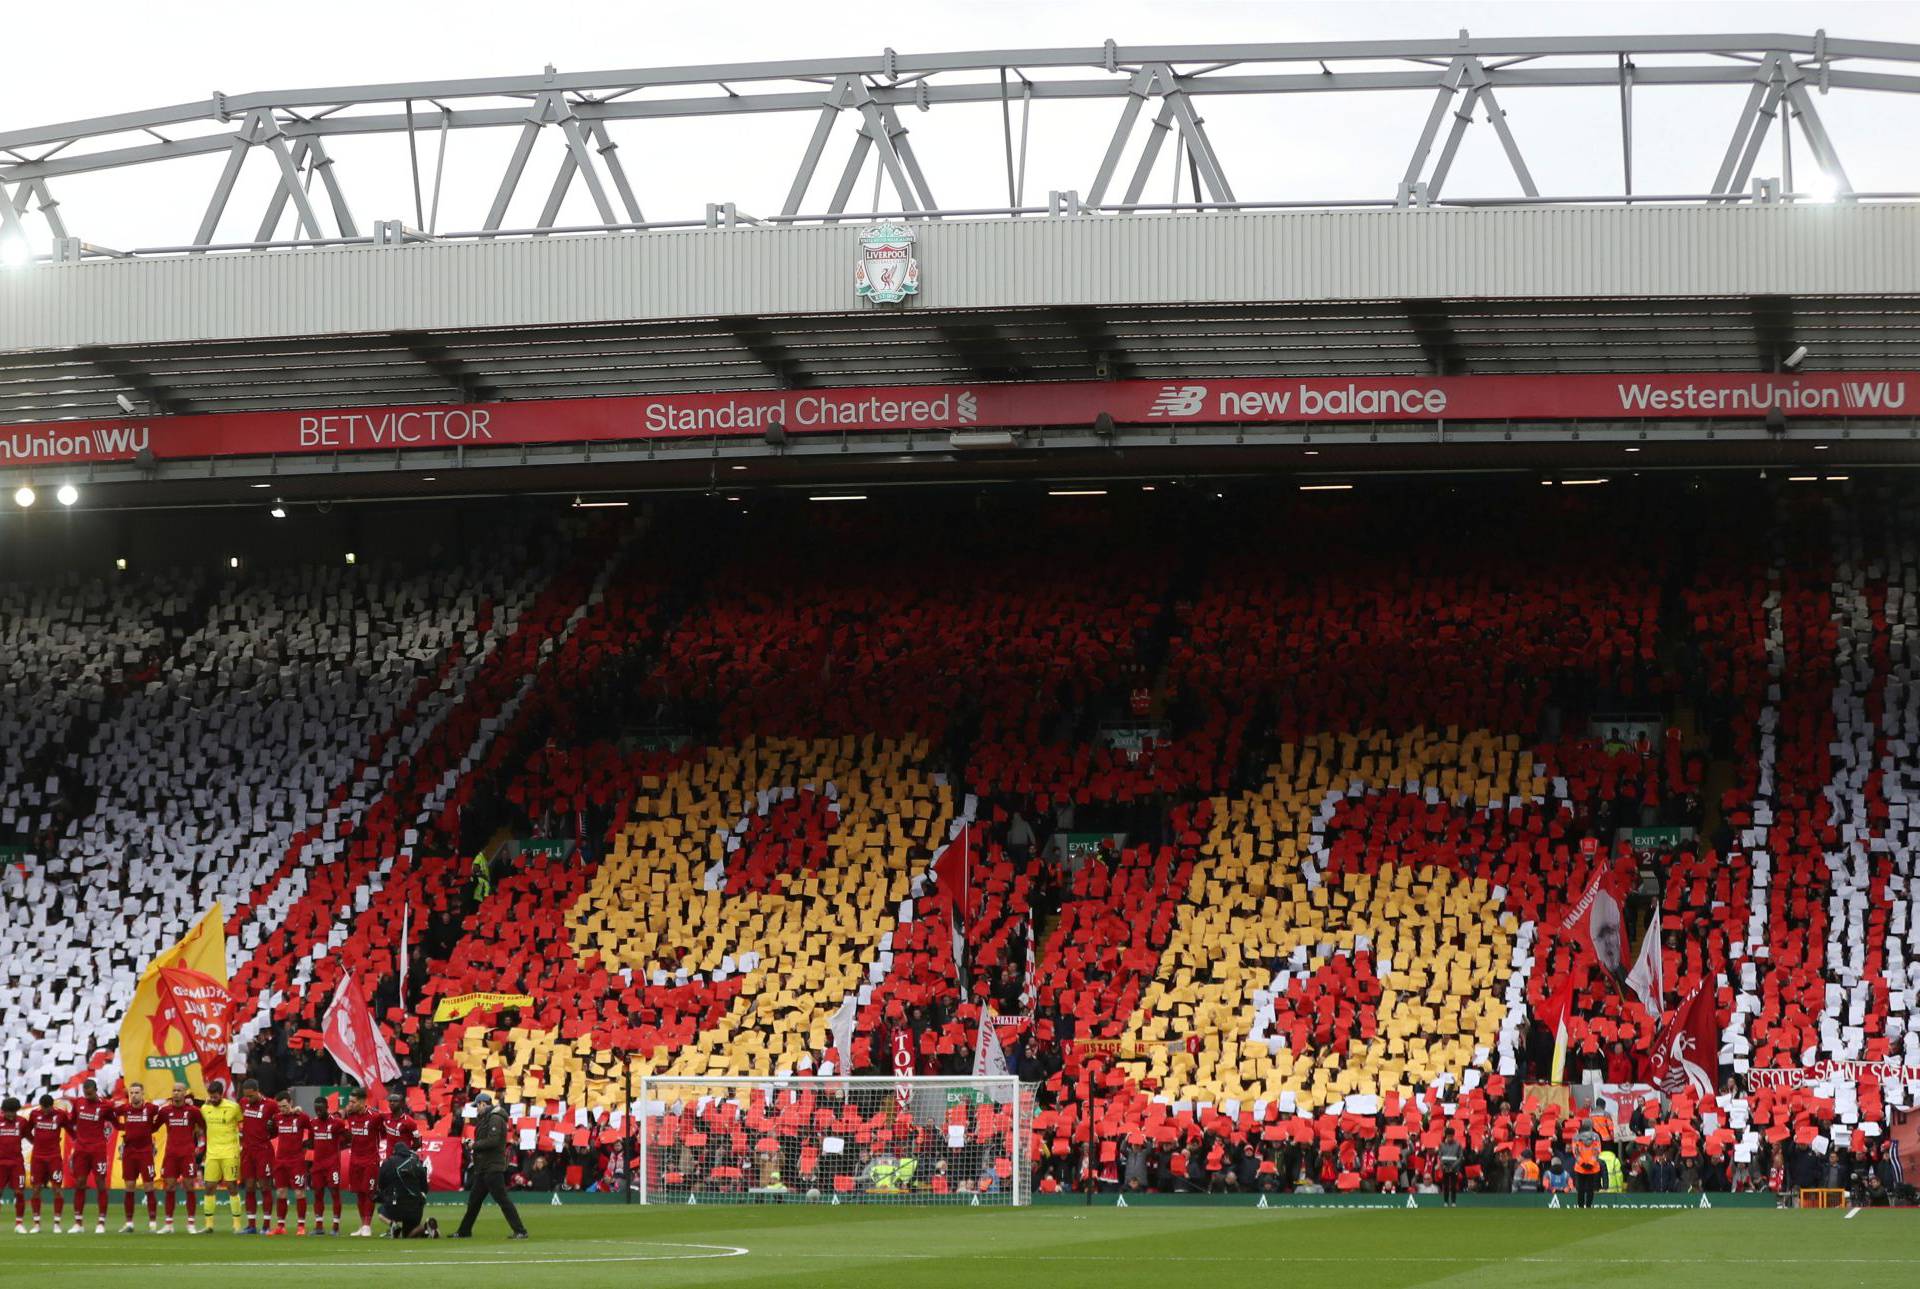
(144, 459)
(1103, 426)
(776, 434)
(1776, 422)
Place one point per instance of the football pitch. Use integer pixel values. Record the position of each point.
(1049, 1247)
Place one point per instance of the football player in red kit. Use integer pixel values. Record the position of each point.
(365, 1128)
(400, 1126)
(138, 1119)
(46, 1127)
(13, 1160)
(92, 1155)
(256, 1153)
(328, 1133)
(185, 1128)
(291, 1129)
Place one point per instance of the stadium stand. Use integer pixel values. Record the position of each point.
(1252, 850)
(236, 767)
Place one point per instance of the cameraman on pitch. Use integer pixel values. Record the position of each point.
(487, 1173)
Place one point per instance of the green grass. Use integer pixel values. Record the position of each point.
(1046, 1248)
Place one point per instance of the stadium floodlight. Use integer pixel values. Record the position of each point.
(14, 251)
(1824, 187)
(121, 564)
(67, 495)
(126, 404)
(920, 1165)
(350, 557)
(233, 561)
(25, 496)
(1793, 360)
(279, 511)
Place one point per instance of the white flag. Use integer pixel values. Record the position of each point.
(406, 918)
(1647, 980)
(1026, 986)
(840, 1026)
(989, 1058)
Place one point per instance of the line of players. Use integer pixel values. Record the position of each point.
(274, 1153)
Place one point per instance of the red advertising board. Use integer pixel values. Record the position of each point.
(1280, 401)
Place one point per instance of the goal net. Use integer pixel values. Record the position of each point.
(855, 1140)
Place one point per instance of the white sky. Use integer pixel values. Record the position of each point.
(115, 56)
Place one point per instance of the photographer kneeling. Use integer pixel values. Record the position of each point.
(403, 1195)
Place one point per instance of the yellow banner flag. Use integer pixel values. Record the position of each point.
(181, 1020)
(458, 1005)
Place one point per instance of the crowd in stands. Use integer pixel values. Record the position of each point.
(1251, 853)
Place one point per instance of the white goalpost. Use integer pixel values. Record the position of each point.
(855, 1140)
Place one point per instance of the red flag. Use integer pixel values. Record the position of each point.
(443, 1162)
(1558, 1011)
(953, 871)
(200, 1008)
(354, 1041)
(953, 884)
(1686, 1049)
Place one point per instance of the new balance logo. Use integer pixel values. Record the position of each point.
(1179, 400)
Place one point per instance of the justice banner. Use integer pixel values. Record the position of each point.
(443, 1162)
(180, 1023)
(455, 1006)
(1649, 397)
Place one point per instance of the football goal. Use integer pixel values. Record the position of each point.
(856, 1140)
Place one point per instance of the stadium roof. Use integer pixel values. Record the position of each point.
(1093, 287)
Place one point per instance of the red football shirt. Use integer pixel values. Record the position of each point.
(13, 1139)
(137, 1126)
(290, 1132)
(45, 1127)
(256, 1125)
(327, 1132)
(402, 1128)
(363, 1136)
(92, 1124)
(185, 1126)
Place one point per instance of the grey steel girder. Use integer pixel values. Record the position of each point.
(1783, 73)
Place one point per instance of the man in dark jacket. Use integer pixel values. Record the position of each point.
(487, 1169)
(1450, 1162)
(403, 1194)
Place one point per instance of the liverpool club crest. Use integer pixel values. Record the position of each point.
(887, 273)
